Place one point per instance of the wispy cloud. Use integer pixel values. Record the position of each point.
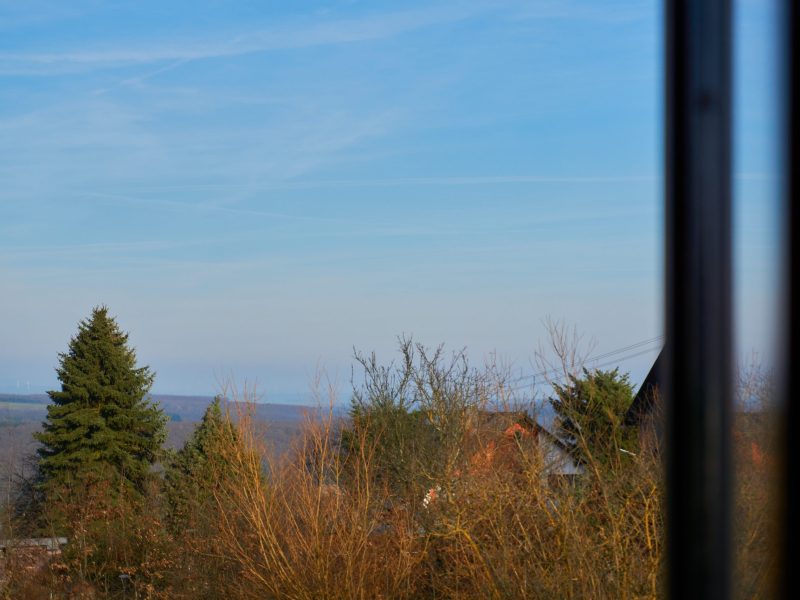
(295, 34)
(420, 181)
(102, 248)
(14, 14)
(348, 227)
(288, 36)
(101, 142)
(222, 208)
(608, 11)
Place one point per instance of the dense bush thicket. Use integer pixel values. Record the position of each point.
(416, 494)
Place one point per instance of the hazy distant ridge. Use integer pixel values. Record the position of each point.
(21, 408)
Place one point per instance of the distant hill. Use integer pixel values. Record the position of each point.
(22, 414)
(191, 408)
(24, 398)
(24, 408)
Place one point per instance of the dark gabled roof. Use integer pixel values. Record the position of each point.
(644, 401)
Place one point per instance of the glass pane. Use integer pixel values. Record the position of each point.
(756, 295)
(256, 190)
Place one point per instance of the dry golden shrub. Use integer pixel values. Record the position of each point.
(309, 525)
(297, 531)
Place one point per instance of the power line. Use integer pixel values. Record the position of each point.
(559, 378)
(614, 352)
(658, 338)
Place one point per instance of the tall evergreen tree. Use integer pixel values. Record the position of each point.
(101, 423)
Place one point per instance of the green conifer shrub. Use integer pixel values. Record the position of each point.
(199, 467)
(590, 412)
(197, 485)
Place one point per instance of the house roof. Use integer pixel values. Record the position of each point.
(501, 425)
(644, 401)
(498, 422)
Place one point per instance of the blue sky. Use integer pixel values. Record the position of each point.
(254, 188)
